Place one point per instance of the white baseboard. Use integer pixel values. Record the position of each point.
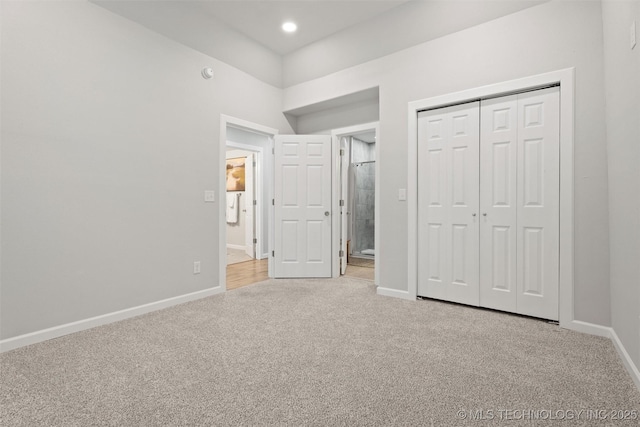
(81, 325)
(626, 358)
(388, 292)
(588, 328)
(608, 332)
(239, 247)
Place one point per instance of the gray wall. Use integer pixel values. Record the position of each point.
(109, 138)
(547, 37)
(622, 82)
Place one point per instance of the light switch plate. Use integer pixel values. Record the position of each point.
(402, 194)
(632, 35)
(209, 196)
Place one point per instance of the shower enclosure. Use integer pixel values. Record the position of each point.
(363, 230)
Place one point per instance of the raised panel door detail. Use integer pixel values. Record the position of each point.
(533, 114)
(501, 119)
(459, 254)
(314, 176)
(533, 172)
(435, 251)
(290, 149)
(459, 176)
(460, 125)
(502, 259)
(290, 241)
(436, 179)
(315, 242)
(502, 168)
(533, 242)
(435, 129)
(290, 185)
(314, 149)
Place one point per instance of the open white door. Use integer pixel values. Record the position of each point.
(249, 205)
(344, 198)
(302, 202)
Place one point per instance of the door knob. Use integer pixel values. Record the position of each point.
(473, 214)
(326, 213)
(484, 214)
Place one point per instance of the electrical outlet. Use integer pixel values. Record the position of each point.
(209, 196)
(196, 267)
(402, 194)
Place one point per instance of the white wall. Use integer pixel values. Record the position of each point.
(109, 138)
(200, 30)
(547, 37)
(622, 83)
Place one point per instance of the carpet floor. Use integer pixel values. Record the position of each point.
(317, 352)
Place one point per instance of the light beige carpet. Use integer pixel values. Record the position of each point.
(319, 353)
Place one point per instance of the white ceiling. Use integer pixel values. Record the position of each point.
(262, 20)
(332, 34)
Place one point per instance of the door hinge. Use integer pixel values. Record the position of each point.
(255, 240)
(341, 202)
(255, 202)
(273, 253)
(273, 151)
(341, 253)
(254, 163)
(273, 202)
(342, 151)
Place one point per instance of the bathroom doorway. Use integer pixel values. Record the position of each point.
(359, 200)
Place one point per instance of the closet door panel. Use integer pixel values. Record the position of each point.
(448, 202)
(498, 203)
(538, 203)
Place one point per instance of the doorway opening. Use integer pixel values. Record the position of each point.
(358, 200)
(246, 186)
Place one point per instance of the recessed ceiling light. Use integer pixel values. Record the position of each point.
(289, 27)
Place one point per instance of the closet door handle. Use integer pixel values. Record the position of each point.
(473, 214)
(484, 214)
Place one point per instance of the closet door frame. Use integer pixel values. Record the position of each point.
(565, 79)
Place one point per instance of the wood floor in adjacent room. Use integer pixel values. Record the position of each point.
(246, 273)
(253, 271)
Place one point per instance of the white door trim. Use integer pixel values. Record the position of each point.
(222, 225)
(565, 78)
(336, 134)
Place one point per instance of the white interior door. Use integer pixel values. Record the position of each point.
(498, 203)
(249, 205)
(448, 202)
(344, 199)
(538, 203)
(302, 201)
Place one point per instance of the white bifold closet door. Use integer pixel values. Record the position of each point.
(516, 248)
(448, 201)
